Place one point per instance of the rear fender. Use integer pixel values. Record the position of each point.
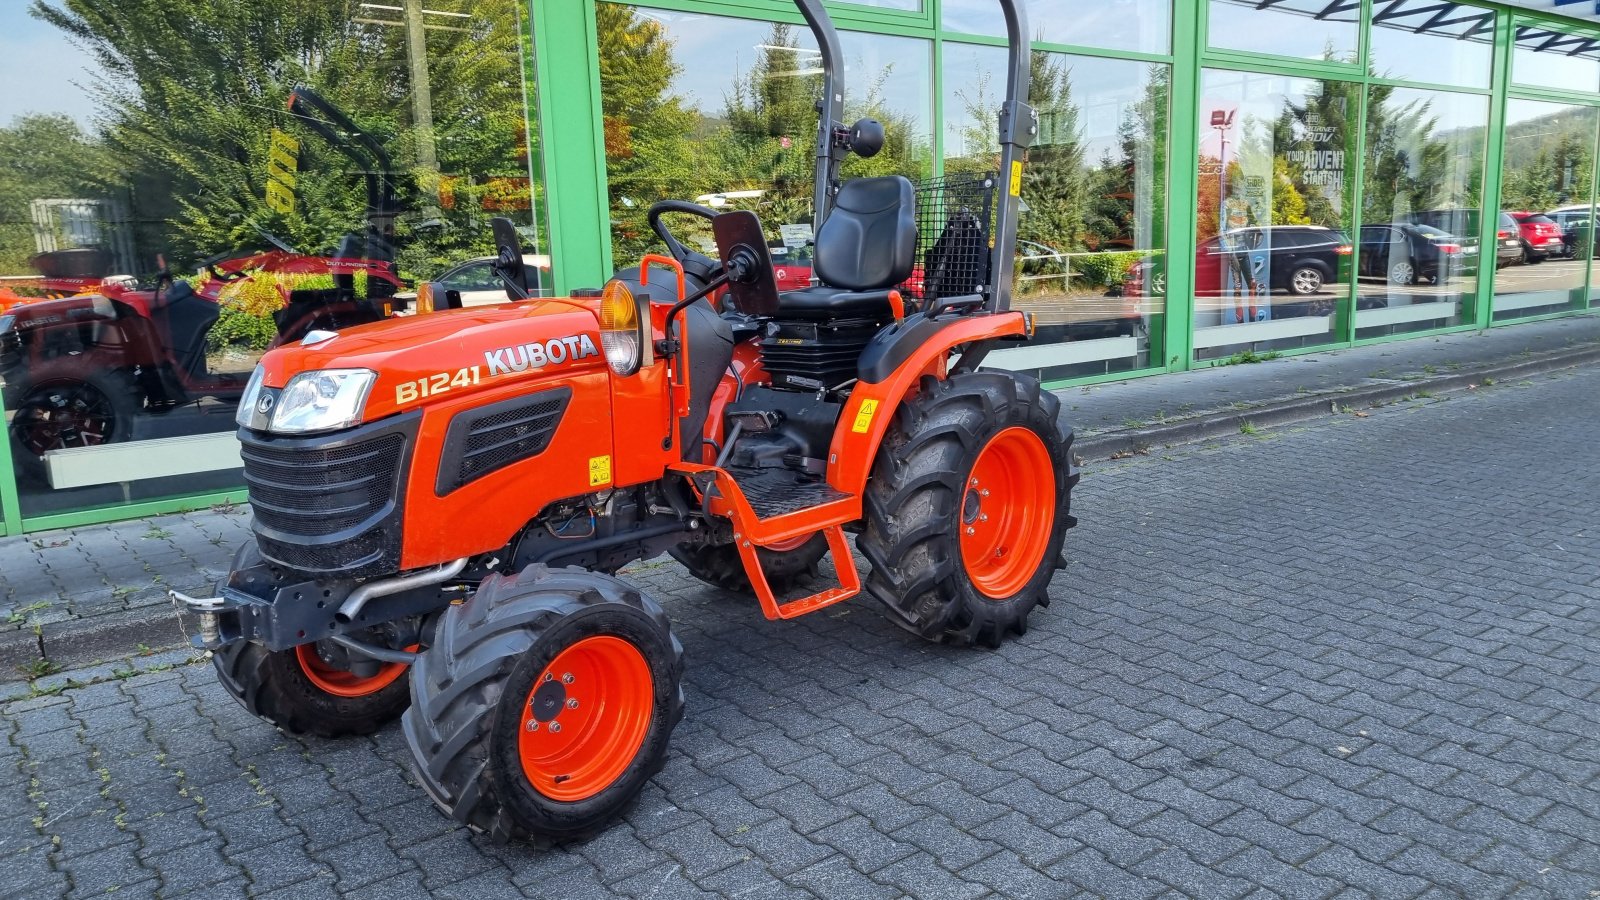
(871, 407)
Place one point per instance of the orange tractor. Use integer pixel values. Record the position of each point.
(441, 502)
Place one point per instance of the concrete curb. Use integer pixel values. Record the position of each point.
(75, 643)
(1303, 407)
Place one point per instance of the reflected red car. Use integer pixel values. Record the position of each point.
(1542, 238)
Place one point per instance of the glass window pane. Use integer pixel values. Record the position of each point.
(1091, 263)
(1273, 263)
(1418, 256)
(1548, 167)
(1309, 29)
(276, 210)
(1552, 59)
(722, 111)
(1144, 26)
(1425, 40)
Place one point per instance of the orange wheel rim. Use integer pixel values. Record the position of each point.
(342, 682)
(586, 718)
(790, 544)
(1007, 511)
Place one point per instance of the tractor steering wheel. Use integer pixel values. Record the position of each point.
(674, 246)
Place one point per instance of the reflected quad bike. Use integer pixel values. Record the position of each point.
(441, 502)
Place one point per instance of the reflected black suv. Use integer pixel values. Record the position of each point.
(1463, 223)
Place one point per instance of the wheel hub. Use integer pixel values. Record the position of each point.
(586, 718)
(1007, 513)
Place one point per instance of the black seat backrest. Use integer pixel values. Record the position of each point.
(185, 320)
(869, 241)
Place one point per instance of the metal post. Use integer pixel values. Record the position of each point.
(422, 96)
(830, 155)
(1019, 126)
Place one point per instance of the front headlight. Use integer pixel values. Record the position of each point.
(326, 400)
(623, 321)
(252, 396)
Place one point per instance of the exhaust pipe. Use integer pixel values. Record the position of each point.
(351, 607)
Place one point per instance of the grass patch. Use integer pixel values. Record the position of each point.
(1249, 357)
(1248, 428)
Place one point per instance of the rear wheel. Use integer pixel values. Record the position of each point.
(968, 506)
(786, 566)
(1402, 273)
(60, 412)
(545, 703)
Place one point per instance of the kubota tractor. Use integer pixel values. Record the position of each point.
(441, 502)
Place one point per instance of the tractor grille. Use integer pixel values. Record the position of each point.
(488, 439)
(319, 492)
(331, 504)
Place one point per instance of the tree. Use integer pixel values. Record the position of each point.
(47, 157)
(194, 89)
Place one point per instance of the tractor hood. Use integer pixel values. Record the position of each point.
(451, 351)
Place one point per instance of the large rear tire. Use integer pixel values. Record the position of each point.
(967, 507)
(545, 703)
(720, 565)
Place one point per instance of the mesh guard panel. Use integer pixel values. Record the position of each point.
(955, 221)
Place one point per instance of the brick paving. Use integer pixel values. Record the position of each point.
(1360, 658)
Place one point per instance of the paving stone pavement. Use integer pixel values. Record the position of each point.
(1360, 658)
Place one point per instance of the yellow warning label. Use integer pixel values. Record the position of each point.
(1016, 178)
(599, 471)
(869, 408)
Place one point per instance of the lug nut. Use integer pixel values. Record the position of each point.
(984, 492)
(983, 517)
(567, 678)
(572, 703)
(548, 676)
(971, 530)
(974, 482)
(555, 727)
(533, 725)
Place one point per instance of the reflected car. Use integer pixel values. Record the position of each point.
(1575, 223)
(1541, 236)
(480, 286)
(1406, 253)
(1465, 222)
(1297, 259)
(791, 266)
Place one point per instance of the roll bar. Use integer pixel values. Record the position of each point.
(348, 138)
(1019, 127)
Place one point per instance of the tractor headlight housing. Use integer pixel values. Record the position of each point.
(252, 396)
(324, 400)
(624, 324)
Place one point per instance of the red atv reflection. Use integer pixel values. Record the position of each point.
(79, 370)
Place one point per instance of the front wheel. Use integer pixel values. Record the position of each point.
(319, 689)
(967, 507)
(545, 703)
(1305, 281)
(1402, 273)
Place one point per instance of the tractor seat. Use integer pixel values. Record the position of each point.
(867, 245)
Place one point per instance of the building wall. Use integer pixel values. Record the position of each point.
(1214, 182)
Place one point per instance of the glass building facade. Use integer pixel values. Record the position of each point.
(1213, 178)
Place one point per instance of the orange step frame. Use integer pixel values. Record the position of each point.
(751, 533)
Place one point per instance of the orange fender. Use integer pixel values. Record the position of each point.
(871, 407)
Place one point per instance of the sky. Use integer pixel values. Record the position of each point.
(41, 72)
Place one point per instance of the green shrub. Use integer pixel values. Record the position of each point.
(238, 327)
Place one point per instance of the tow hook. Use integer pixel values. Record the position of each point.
(205, 608)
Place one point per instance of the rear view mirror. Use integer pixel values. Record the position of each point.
(508, 259)
(743, 248)
(866, 137)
